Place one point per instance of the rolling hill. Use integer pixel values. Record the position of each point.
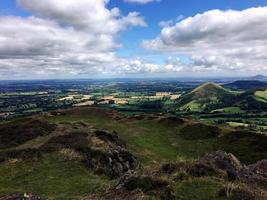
(211, 97)
(207, 96)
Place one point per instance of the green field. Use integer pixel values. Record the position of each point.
(229, 110)
(261, 95)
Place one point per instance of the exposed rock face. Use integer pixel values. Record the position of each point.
(102, 151)
(255, 174)
(107, 153)
(217, 162)
(251, 180)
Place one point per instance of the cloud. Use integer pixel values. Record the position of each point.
(228, 40)
(141, 1)
(69, 37)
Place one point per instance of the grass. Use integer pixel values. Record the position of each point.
(50, 177)
(193, 106)
(229, 110)
(151, 141)
(261, 95)
(154, 142)
(198, 189)
(249, 147)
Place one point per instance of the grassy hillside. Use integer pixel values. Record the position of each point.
(153, 139)
(213, 98)
(206, 97)
(262, 95)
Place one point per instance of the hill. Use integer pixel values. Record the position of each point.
(143, 157)
(246, 84)
(206, 97)
(259, 77)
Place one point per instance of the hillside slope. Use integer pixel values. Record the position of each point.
(142, 157)
(206, 97)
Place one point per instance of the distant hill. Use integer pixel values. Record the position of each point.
(259, 77)
(211, 97)
(246, 84)
(206, 97)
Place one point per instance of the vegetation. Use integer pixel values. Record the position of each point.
(67, 148)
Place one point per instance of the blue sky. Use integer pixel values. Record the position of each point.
(132, 45)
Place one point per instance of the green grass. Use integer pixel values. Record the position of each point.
(198, 189)
(50, 177)
(151, 141)
(249, 147)
(261, 95)
(193, 106)
(154, 142)
(229, 110)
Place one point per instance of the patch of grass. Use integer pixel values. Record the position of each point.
(249, 147)
(229, 110)
(198, 189)
(50, 177)
(199, 131)
(261, 94)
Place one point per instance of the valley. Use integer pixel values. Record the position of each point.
(170, 140)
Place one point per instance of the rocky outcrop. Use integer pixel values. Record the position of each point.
(248, 182)
(255, 175)
(102, 151)
(219, 162)
(107, 154)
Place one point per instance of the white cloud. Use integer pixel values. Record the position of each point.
(62, 37)
(141, 1)
(227, 40)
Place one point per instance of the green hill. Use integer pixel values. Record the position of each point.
(213, 98)
(206, 97)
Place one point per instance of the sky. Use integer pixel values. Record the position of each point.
(50, 39)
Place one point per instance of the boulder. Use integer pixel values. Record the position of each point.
(218, 162)
(255, 175)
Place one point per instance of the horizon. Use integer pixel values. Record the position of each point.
(146, 78)
(132, 38)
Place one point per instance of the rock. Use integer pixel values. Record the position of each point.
(102, 151)
(218, 162)
(108, 152)
(24, 196)
(255, 175)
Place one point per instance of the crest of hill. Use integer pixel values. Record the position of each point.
(208, 90)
